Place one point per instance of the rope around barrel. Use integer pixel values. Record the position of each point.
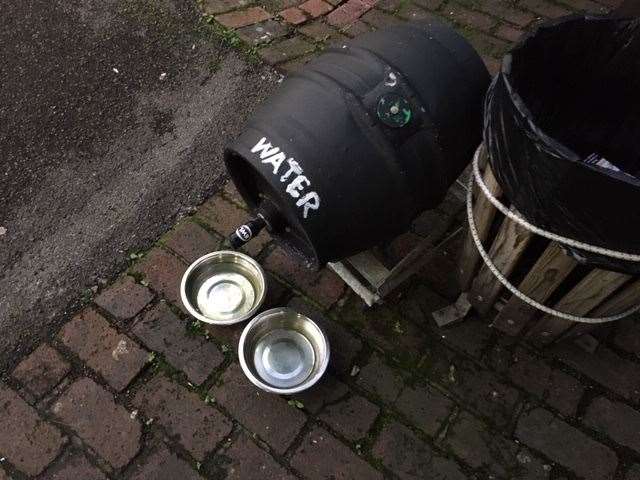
(539, 231)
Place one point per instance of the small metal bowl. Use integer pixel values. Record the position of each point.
(282, 351)
(223, 288)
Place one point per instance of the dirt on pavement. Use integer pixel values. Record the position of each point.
(113, 118)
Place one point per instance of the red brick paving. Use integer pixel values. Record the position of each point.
(471, 336)
(328, 390)
(325, 287)
(26, 440)
(471, 18)
(322, 456)
(560, 390)
(162, 331)
(262, 33)
(377, 19)
(191, 241)
(566, 445)
(402, 452)
(616, 420)
(544, 8)
(356, 28)
(268, 416)
(491, 25)
(163, 272)
(617, 374)
(116, 357)
(213, 7)
(74, 466)
(242, 18)
(426, 407)
(41, 371)
(162, 464)
(293, 15)
(316, 8)
(319, 31)
(108, 428)
(286, 50)
(476, 387)
(348, 13)
(124, 299)
(222, 215)
(402, 399)
(195, 425)
(472, 441)
(352, 418)
(508, 33)
(244, 460)
(381, 380)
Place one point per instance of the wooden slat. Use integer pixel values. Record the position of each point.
(625, 299)
(363, 291)
(483, 158)
(415, 260)
(507, 248)
(370, 268)
(590, 292)
(545, 276)
(483, 213)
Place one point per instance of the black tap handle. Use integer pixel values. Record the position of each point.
(246, 232)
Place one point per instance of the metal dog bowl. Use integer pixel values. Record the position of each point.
(223, 287)
(282, 351)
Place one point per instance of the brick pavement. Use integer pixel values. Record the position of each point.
(132, 388)
(287, 33)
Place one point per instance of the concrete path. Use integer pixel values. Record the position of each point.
(113, 118)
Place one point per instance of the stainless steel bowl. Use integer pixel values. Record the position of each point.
(282, 351)
(223, 288)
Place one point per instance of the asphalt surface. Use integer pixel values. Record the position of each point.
(113, 118)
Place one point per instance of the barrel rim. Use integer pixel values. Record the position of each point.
(526, 117)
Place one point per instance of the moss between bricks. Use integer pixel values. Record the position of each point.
(386, 322)
(230, 38)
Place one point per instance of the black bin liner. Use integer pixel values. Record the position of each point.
(562, 127)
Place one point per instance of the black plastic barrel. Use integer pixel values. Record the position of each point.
(562, 128)
(371, 133)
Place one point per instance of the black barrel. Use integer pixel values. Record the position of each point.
(373, 132)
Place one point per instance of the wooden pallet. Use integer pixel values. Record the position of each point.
(370, 278)
(374, 276)
(551, 277)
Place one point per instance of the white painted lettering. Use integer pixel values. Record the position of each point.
(311, 201)
(275, 157)
(296, 185)
(265, 148)
(294, 167)
(275, 160)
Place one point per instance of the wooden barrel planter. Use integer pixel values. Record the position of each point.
(540, 269)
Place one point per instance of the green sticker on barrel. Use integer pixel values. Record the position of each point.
(394, 110)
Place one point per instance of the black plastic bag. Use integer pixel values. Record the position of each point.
(562, 127)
